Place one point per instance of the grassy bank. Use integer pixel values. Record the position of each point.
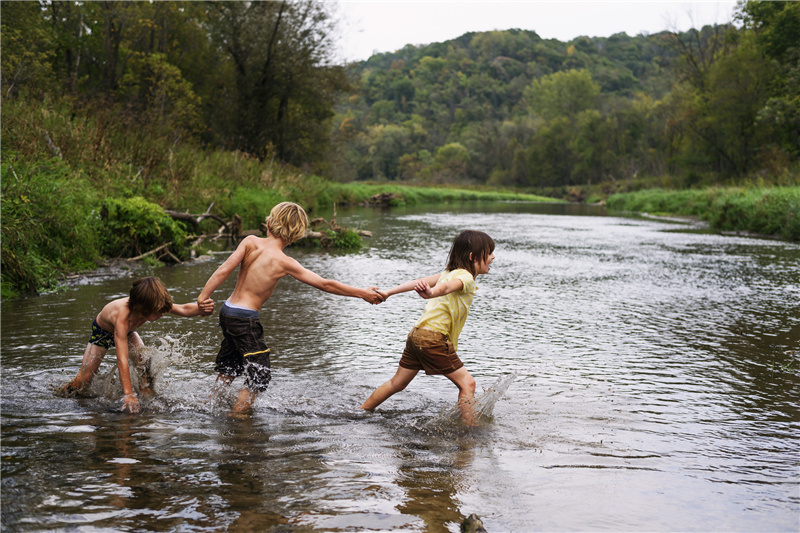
(771, 211)
(55, 220)
(79, 187)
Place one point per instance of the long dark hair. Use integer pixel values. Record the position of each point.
(469, 242)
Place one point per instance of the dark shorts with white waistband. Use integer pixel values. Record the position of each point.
(243, 350)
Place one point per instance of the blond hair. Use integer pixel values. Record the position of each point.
(287, 221)
(148, 296)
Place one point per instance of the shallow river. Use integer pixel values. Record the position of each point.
(654, 377)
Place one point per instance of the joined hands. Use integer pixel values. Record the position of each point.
(423, 289)
(206, 307)
(376, 297)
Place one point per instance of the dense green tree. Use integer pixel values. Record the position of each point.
(255, 76)
(716, 101)
(562, 94)
(776, 26)
(284, 79)
(28, 50)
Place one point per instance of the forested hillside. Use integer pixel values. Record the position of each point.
(714, 105)
(115, 111)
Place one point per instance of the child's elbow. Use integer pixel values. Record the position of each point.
(327, 285)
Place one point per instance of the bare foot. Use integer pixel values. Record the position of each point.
(244, 402)
(146, 392)
(66, 390)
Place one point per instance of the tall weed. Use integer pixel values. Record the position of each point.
(47, 226)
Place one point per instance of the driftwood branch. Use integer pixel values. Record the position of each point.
(171, 256)
(194, 220)
(318, 234)
(153, 251)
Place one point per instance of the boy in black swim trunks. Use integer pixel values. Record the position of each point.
(262, 264)
(116, 325)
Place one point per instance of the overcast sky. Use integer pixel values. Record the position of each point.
(369, 26)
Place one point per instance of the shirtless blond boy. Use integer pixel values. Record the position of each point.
(116, 325)
(262, 263)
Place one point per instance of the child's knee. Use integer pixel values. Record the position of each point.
(397, 385)
(468, 385)
(225, 379)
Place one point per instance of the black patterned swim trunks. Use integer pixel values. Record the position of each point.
(101, 337)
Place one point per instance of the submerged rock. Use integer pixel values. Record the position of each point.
(472, 524)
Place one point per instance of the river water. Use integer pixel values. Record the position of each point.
(653, 375)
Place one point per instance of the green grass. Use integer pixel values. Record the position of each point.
(49, 224)
(773, 211)
(356, 193)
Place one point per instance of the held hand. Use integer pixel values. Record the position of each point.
(131, 402)
(374, 296)
(206, 307)
(384, 296)
(423, 289)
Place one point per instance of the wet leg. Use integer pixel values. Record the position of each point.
(92, 357)
(466, 393)
(223, 380)
(137, 351)
(245, 401)
(399, 381)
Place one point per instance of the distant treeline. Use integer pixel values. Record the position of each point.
(717, 104)
(711, 105)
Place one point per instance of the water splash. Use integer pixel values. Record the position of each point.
(152, 362)
(481, 406)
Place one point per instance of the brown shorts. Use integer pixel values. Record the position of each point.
(430, 351)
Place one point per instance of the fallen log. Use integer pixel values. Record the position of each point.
(194, 220)
(164, 252)
(151, 252)
(386, 199)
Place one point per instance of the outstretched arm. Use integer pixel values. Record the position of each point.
(204, 308)
(129, 399)
(411, 285)
(221, 274)
(425, 290)
(299, 272)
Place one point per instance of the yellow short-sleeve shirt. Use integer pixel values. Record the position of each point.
(447, 314)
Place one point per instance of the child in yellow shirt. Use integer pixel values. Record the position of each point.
(433, 341)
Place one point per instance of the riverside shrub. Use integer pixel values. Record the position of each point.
(48, 224)
(133, 226)
(774, 211)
